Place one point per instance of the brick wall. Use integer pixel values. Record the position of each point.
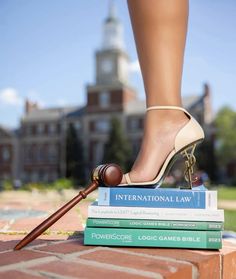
(70, 259)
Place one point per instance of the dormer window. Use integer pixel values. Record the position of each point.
(104, 99)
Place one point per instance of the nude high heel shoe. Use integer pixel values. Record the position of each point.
(185, 143)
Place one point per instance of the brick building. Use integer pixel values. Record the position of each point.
(9, 151)
(37, 151)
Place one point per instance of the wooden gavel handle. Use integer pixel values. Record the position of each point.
(55, 216)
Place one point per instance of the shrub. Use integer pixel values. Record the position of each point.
(7, 185)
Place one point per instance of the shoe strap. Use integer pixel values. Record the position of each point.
(127, 178)
(168, 107)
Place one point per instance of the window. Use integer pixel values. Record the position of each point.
(52, 153)
(102, 125)
(5, 154)
(134, 124)
(34, 176)
(52, 128)
(40, 153)
(28, 130)
(77, 125)
(98, 152)
(104, 99)
(40, 128)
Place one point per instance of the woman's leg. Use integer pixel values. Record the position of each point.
(159, 28)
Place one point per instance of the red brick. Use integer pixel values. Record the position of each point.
(69, 222)
(9, 245)
(166, 268)
(7, 237)
(207, 262)
(65, 247)
(26, 224)
(229, 261)
(13, 257)
(53, 236)
(18, 275)
(78, 270)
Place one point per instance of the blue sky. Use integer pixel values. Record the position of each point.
(47, 51)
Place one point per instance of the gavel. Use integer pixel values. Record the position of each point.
(106, 175)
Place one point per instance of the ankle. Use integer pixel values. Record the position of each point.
(163, 116)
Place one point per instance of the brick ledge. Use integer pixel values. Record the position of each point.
(71, 259)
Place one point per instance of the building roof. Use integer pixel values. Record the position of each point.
(80, 111)
(8, 132)
(190, 101)
(48, 114)
(131, 108)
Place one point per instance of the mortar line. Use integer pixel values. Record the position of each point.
(28, 263)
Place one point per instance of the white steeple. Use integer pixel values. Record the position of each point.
(112, 30)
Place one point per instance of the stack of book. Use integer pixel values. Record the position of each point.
(155, 218)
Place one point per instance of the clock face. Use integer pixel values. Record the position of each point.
(107, 65)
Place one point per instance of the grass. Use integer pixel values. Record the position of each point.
(230, 220)
(226, 193)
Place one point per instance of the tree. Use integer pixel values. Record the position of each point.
(75, 165)
(226, 137)
(118, 149)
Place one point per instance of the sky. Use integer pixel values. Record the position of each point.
(47, 51)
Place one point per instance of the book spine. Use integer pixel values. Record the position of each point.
(154, 224)
(162, 198)
(119, 212)
(153, 238)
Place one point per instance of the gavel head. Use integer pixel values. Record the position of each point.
(107, 174)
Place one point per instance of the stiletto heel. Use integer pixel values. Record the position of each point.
(186, 139)
(189, 165)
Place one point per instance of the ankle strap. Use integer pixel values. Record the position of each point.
(167, 107)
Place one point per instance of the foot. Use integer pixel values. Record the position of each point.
(161, 128)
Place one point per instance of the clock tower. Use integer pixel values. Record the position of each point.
(112, 89)
(111, 92)
(112, 60)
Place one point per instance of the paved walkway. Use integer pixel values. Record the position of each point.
(60, 253)
(44, 204)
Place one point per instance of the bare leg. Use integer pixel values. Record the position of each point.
(159, 28)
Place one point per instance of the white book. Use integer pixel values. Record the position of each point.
(100, 211)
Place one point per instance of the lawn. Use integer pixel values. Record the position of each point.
(230, 220)
(228, 193)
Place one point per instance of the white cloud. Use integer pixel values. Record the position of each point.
(134, 67)
(10, 96)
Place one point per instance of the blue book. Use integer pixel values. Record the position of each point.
(161, 198)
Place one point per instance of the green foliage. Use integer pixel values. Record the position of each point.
(35, 186)
(75, 165)
(62, 184)
(58, 185)
(117, 149)
(226, 135)
(7, 185)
